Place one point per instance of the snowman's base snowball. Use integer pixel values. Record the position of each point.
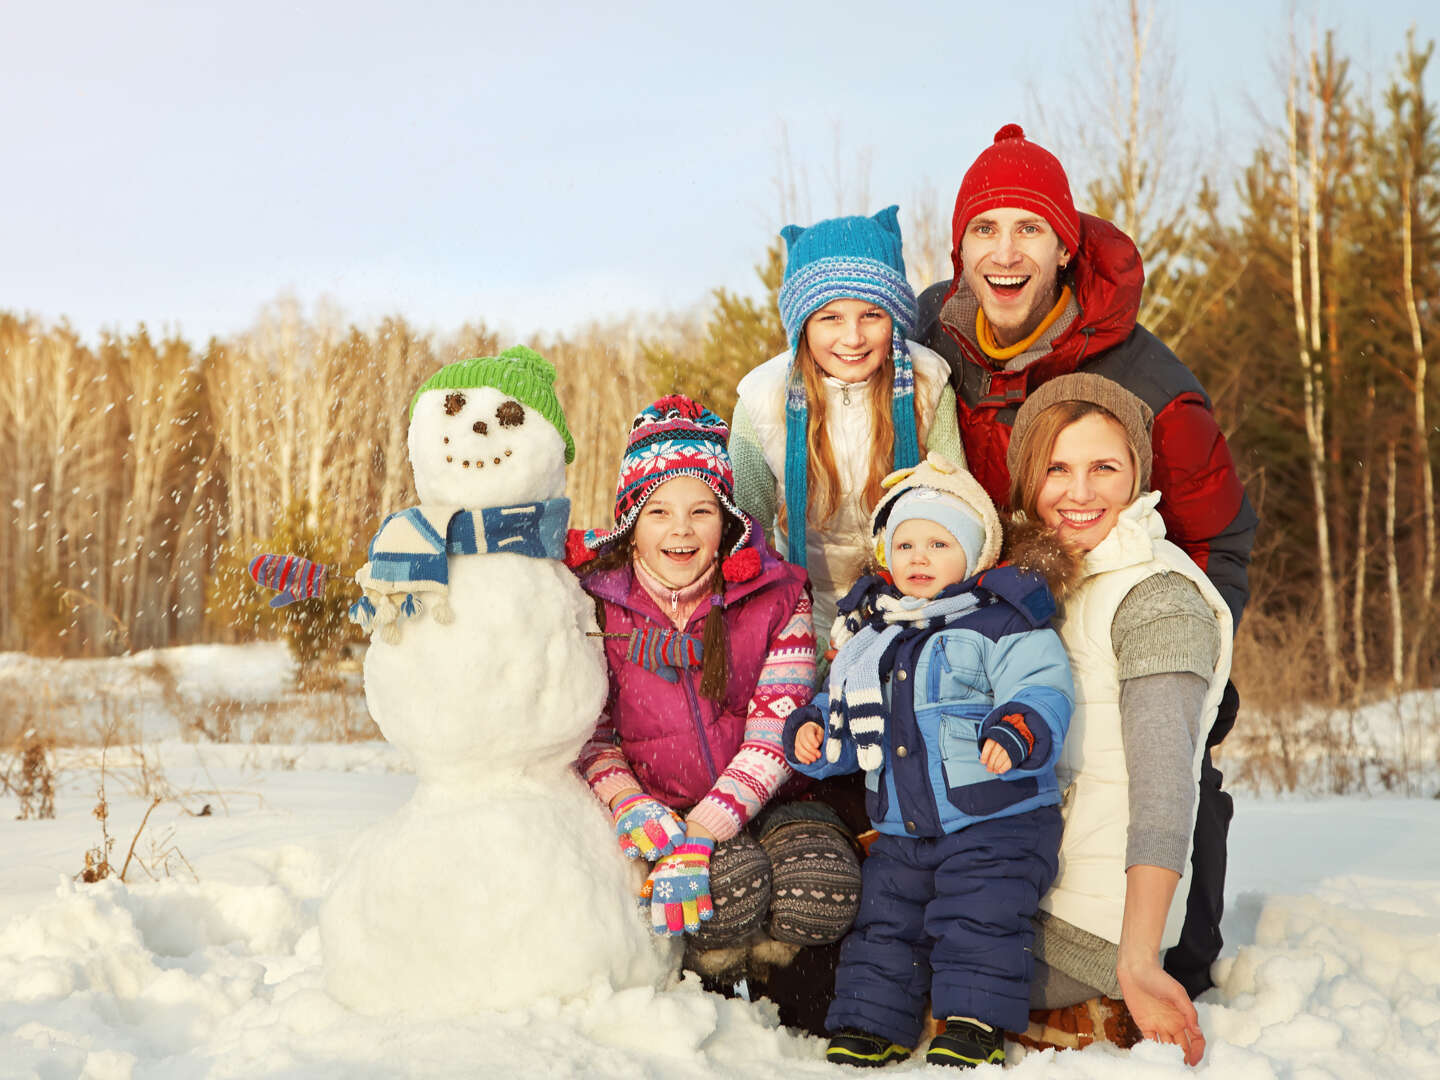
(489, 903)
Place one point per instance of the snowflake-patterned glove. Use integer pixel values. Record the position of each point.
(679, 888)
(646, 826)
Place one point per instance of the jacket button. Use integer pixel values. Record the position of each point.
(900, 751)
(909, 826)
(901, 675)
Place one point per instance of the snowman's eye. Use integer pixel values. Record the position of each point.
(454, 403)
(510, 414)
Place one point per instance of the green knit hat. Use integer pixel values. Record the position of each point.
(522, 373)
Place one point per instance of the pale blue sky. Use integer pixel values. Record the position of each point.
(530, 164)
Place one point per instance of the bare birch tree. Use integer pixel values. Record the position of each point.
(1132, 157)
(1305, 216)
(1412, 136)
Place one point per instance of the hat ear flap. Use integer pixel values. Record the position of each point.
(889, 220)
(791, 233)
(896, 476)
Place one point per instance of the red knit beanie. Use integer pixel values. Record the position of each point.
(1017, 172)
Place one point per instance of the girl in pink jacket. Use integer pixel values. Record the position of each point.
(710, 645)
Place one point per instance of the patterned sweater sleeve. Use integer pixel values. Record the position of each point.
(758, 768)
(755, 488)
(601, 761)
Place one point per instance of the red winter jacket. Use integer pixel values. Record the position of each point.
(1204, 504)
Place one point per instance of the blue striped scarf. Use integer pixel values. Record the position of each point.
(410, 555)
(857, 700)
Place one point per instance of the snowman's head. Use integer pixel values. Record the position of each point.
(489, 432)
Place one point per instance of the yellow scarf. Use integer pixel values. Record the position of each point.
(985, 336)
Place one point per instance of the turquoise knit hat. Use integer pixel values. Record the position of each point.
(845, 258)
(520, 372)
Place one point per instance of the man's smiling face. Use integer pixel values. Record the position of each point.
(1011, 260)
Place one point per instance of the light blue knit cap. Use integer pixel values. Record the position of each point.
(845, 258)
(945, 510)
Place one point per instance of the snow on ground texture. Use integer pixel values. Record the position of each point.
(1331, 967)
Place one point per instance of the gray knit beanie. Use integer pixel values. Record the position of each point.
(1129, 411)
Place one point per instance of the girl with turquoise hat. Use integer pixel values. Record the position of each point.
(817, 428)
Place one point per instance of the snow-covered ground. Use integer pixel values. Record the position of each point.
(208, 963)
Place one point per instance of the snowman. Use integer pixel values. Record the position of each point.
(499, 882)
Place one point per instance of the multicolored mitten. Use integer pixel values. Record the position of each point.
(646, 826)
(664, 651)
(290, 575)
(679, 888)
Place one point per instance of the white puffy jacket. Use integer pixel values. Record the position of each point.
(1090, 889)
(834, 554)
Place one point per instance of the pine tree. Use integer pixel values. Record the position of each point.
(739, 334)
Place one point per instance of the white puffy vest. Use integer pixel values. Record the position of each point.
(1090, 889)
(835, 554)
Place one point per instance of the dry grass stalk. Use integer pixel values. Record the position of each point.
(36, 787)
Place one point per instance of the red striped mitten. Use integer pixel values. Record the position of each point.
(646, 826)
(679, 888)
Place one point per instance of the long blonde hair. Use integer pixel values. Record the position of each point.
(822, 476)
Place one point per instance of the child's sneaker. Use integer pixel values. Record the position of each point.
(851, 1047)
(967, 1043)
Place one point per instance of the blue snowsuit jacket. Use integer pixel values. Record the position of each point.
(949, 689)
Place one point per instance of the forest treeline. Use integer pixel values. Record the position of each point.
(142, 472)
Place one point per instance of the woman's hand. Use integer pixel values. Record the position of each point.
(807, 742)
(1160, 1006)
(1162, 1010)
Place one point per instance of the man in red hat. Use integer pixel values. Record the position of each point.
(1039, 291)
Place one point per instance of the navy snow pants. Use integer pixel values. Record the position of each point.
(948, 918)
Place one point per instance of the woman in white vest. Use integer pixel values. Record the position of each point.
(1149, 642)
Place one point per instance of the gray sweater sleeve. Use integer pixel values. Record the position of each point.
(1167, 641)
(1159, 718)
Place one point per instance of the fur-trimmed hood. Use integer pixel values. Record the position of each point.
(1036, 547)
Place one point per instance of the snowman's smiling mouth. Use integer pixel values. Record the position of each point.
(478, 462)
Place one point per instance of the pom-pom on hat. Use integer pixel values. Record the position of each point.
(520, 372)
(959, 494)
(1013, 171)
(1129, 411)
(845, 258)
(673, 437)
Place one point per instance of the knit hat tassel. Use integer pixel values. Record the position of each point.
(797, 456)
(902, 406)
